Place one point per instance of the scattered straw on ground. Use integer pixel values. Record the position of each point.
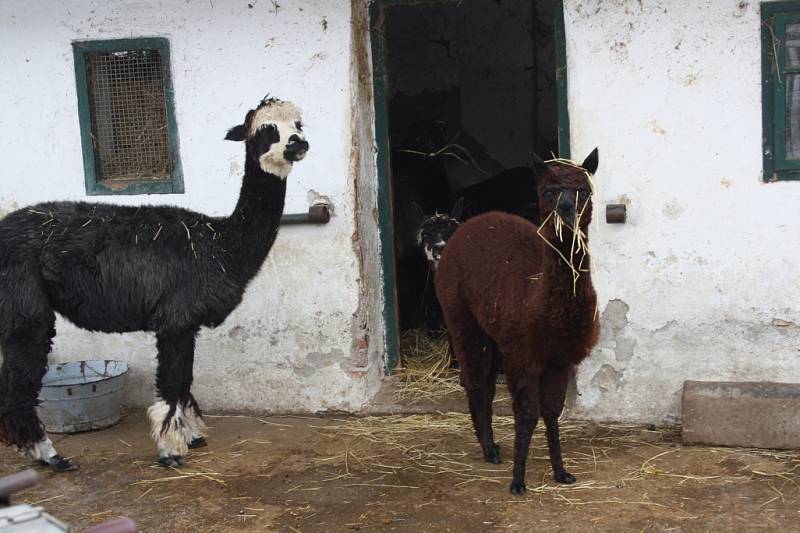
(432, 452)
(417, 443)
(377, 448)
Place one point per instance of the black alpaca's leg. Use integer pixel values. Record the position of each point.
(452, 350)
(24, 365)
(553, 393)
(525, 396)
(475, 352)
(197, 430)
(175, 418)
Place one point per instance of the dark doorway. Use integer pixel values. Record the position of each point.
(470, 89)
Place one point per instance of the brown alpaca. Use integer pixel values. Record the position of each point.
(508, 296)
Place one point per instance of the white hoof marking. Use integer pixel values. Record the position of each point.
(195, 426)
(172, 441)
(41, 451)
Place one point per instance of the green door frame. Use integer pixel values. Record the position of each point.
(562, 105)
(377, 12)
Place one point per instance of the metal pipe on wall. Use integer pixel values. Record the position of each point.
(317, 214)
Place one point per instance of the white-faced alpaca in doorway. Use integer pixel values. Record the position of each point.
(522, 295)
(116, 269)
(434, 231)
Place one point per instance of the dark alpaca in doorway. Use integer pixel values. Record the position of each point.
(115, 268)
(435, 230)
(509, 295)
(511, 191)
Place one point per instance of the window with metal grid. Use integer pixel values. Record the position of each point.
(127, 119)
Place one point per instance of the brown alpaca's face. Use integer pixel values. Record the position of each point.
(565, 192)
(565, 195)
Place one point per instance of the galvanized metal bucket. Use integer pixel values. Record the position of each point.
(82, 395)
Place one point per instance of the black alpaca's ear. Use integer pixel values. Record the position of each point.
(590, 163)
(539, 166)
(458, 209)
(417, 213)
(236, 133)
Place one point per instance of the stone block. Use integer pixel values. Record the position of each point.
(748, 414)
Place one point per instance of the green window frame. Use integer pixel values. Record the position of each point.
(775, 73)
(170, 179)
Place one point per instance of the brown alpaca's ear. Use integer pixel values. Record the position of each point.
(539, 166)
(590, 163)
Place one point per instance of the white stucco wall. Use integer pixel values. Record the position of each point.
(290, 345)
(702, 282)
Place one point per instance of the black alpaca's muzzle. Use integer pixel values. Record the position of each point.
(434, 253)
(296, 149)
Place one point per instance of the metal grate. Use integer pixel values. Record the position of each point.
(130, 135)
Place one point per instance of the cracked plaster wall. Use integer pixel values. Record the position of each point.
(299, 341)
(702, 282)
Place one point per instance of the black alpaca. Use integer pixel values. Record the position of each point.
(511, 191)
(115, 269)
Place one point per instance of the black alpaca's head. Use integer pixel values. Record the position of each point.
(274, 135)
(434, 231)
(565, 192)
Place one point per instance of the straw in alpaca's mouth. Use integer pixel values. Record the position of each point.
(578, 246)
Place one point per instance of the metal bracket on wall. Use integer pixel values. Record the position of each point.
(317, 214)
(616, 213)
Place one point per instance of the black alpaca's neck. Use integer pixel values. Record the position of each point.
(252, 228)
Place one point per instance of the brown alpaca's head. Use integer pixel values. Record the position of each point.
(565, 195)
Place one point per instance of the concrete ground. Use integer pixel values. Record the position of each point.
(414, 473)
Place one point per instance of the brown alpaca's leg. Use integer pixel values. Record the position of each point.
(475, 352)
(524, 387)
(553, 392)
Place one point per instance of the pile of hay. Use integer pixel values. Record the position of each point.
(425, 372)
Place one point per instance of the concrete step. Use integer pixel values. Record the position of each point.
(748, 414)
